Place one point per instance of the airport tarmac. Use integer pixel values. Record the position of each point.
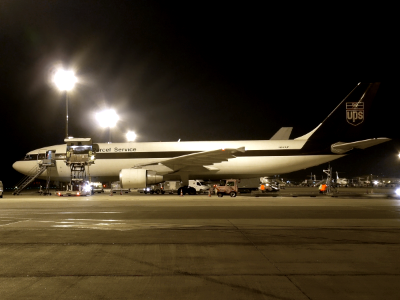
(136, 246)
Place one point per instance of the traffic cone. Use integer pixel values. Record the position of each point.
(181, 193)
(209, 193)
(111, 192)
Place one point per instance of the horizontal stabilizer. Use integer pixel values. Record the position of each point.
(283, 133)
(345, 147)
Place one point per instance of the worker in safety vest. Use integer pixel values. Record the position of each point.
(322, 188)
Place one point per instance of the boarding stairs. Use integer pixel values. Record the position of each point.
(33, 174)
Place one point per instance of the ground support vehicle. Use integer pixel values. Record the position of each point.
(199, 186)
(116, 187)
(171, 187)
(269, 187)
(248, 185)
(230, 188)
(97, 187)
(76, 189)
(153, 189)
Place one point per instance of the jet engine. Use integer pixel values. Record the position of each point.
(138, 178)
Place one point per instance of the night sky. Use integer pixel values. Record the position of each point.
(194, 71)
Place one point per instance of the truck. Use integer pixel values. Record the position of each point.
(153, 189)
(97, 187)
(248, 185)
(230, 188)
(175, 187)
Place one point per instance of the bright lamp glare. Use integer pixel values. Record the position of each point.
(107, 118)
(87, 188)
(130, 136)
(398, 192)
(64, 80)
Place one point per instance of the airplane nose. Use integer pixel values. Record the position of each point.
(19, 166)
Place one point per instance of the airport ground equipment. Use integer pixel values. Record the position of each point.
(79, 156)
(97, 187)
(116, 187)
(195, 186)
(269, 187)
(36, 171)
(230, 188)
(330, 186)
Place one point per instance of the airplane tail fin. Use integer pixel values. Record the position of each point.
(345, 122)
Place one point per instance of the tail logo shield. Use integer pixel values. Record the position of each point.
(355, 113)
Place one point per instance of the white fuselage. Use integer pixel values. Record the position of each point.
(261, 158)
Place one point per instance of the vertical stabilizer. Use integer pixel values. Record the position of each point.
(346, 121)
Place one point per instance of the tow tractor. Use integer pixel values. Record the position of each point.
(230, 188)
(80, 154)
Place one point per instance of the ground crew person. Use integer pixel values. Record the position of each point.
(322, 188)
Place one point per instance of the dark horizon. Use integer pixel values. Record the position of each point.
(172, 71)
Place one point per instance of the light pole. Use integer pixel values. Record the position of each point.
(107, 118)
(65, 81)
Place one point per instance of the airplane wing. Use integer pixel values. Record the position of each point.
(200, 159)
(282, 134)
(344, 147)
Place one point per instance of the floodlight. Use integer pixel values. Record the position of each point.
(64, 80)
(130, 136)
(107, 118)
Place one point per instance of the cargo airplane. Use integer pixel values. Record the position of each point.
(138, 164)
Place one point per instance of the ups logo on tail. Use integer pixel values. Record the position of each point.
(355, 113)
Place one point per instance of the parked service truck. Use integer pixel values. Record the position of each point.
(175, 187)
(97, 187)
(230, 188)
